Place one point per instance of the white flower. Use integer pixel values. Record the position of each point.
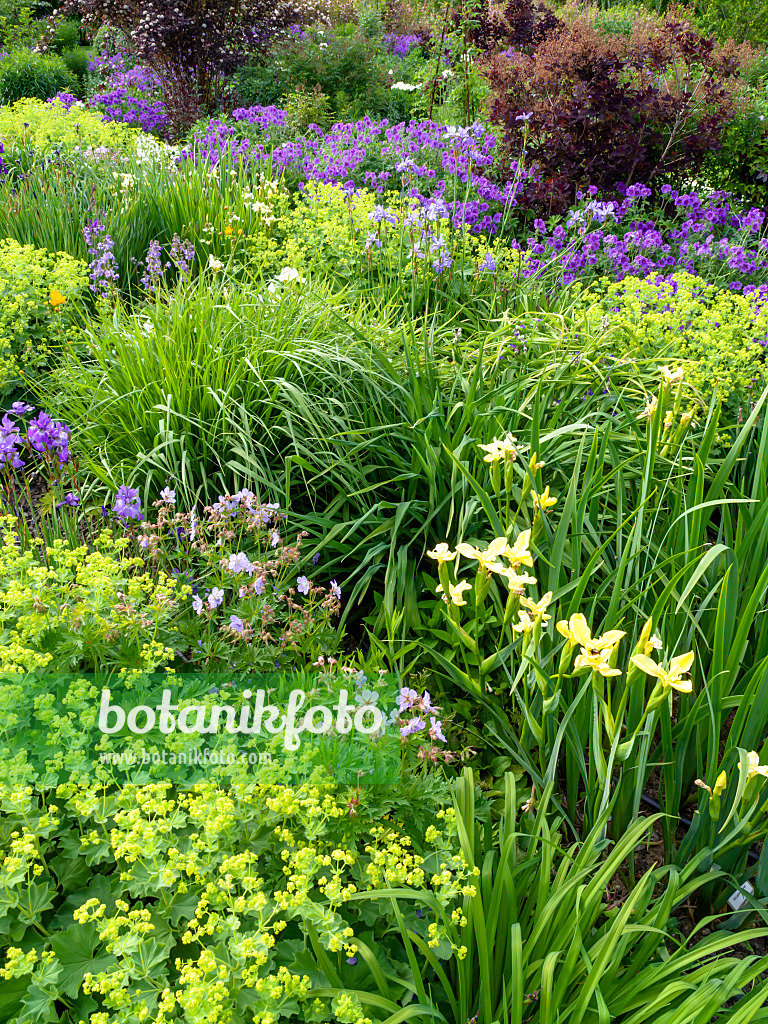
(214, 264)
(289, 274)
(403, 86)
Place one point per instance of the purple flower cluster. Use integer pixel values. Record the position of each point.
(66, 99)
(120, 105)
(103, 267)
(181, 255)
(428, 159)
(708, 237)
(130, 95)
(47, 435)
(401, 46)
(261, 117)
(127, 504)
(42, 435)
(409, 700)
(153, 266)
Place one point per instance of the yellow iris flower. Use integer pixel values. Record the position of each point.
(597, 660)
(538, 607)
(543, 500)
(442, 553)
(576, 631)
(456, 591)
(754, 767)
(489, 558)
(678, 667)
(519, 553)
(497, 450)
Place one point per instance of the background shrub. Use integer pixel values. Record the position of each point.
(191, 44)
(25, 74)
(592, 109)
(734, 19)
(740, 165)
(18, 24)
(67, 36)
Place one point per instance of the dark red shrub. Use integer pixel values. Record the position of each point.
(596, 110)
(520, 24)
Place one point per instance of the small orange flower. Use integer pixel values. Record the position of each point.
(55, 298)
(228, 229)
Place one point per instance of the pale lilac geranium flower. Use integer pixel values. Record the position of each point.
(241, 563)
(415, 725)
(436, 732)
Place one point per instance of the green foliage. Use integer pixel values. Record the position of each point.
(18, 27)
(30, 326)
(721, 333)
(734, 19)
(369, 20)
(424, 905)
(67, 37)
(260, 83)
(616, 20)
(350, 69)
(741, 165)
(109, 41)
(27, 74)
(77, 62)
(304, 107)
(75, 620)
(63, 609)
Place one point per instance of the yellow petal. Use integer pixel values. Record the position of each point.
(580, 629)
(720, 784)
(682, 663)
(644, 663)
(683, 685)
(609, 639)
(495, 548)
(469, 551)
(563, 630)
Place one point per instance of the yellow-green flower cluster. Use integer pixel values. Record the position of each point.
(38, 295)
(73, 602)
(35, 124)
(720, 333)
(205, 882)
